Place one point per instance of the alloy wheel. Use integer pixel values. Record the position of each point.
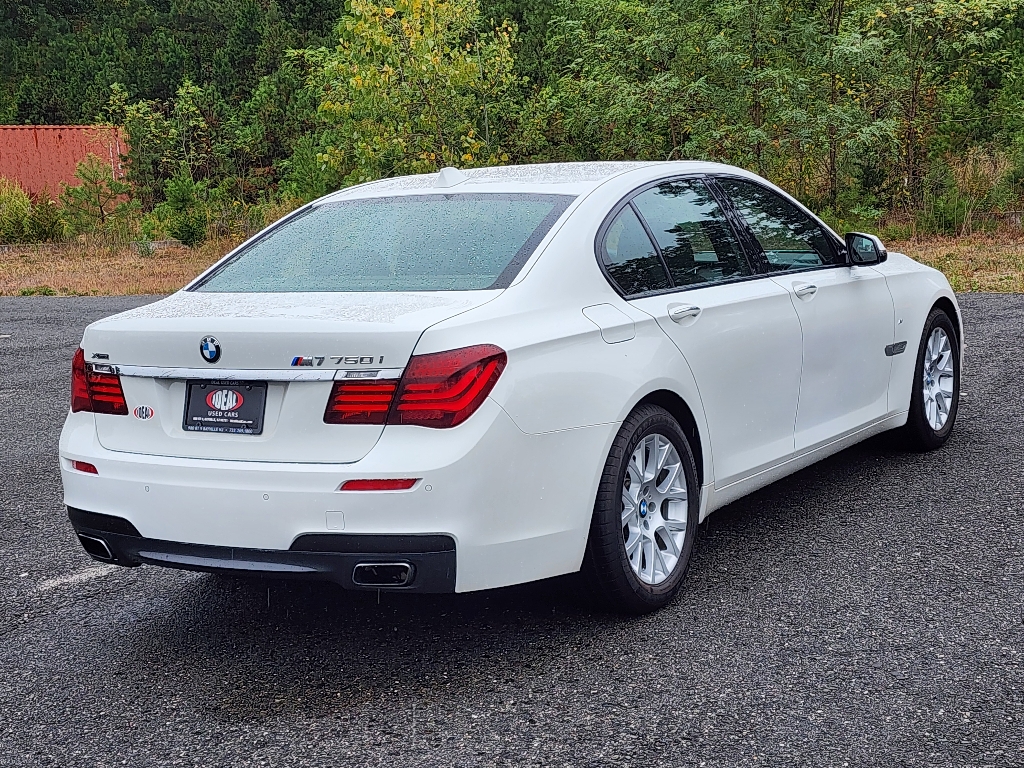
(937, 379)
(654, 509)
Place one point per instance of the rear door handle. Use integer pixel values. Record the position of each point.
(680, 312)
(804, 290)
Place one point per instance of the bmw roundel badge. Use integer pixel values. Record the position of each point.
(209, 348)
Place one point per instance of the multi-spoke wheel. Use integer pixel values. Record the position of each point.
(645, 517)
(654, 509)
(937, 379)
(936, 393)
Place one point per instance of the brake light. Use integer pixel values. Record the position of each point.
(444, 389)
(95, 391)
(364, 401)
(377, 485)
(84, 466)
(441, 389)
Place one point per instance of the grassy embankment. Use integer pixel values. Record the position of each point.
(976, 263)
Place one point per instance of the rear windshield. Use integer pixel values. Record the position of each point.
(453, 242)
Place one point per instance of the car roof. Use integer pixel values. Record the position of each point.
(542, 178)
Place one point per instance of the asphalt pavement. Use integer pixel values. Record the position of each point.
(866, 611)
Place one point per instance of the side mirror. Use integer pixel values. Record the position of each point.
(864, 249)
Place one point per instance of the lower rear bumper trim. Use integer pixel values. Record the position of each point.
(215, 564)
(434, 571)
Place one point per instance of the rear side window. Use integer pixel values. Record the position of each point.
(789, 237)
(630, 257)
(695, 238)
(451, 242)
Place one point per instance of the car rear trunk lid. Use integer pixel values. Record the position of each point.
(297, 343)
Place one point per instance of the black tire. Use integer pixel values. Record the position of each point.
(606, 566)
(919, 433)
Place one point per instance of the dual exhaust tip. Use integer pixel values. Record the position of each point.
(363, 575)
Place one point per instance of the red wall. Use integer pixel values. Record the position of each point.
(44, 156)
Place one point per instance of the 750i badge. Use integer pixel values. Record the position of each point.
(318, 360)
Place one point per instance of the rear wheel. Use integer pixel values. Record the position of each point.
(645, 517)
(936, 394)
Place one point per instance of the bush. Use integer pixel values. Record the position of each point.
(15, 207)
(45, 222)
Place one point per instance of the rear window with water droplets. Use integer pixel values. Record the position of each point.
(449, 242)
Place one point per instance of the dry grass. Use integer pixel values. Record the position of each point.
(991, 263)
(87, 269)
(976, 263)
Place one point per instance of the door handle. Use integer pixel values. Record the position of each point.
(680, 312)
(804, 290)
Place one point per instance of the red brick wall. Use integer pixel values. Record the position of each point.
(44, 156)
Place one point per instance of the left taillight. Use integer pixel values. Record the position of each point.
(95, 391)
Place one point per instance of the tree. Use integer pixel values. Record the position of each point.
(621, 91)
(415, 87)
(99, 195)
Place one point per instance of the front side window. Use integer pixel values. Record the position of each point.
(631, 258)
(449, 242)
(789, 237)
(695, 238)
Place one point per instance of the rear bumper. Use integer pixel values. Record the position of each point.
(517, 506)
(422, 563)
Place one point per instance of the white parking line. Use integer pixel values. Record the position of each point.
(76, 578)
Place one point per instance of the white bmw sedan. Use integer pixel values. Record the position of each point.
(459, 381)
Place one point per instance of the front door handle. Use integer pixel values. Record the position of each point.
(680, 312)
(804, 290)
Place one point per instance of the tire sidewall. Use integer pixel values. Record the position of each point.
(927, 437)
(642, 424)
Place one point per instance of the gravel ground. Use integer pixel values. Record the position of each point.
(866, 611)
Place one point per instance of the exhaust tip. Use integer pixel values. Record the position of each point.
(96, 547)
(383, 574)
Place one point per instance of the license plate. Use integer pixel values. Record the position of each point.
(225, 406)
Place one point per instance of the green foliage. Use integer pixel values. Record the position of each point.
(185, 207)
(884, 115)
(98, 199)
(45, 221)
(306, 174)
(27, 220)
(622, 91)
(415, 87)
(58, 60)
(15, 207)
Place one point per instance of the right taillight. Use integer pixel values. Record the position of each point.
(360, 401)
(95, 391)
(438, 390)
(444, 389)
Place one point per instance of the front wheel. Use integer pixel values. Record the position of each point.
(645, 517)
(936, 394)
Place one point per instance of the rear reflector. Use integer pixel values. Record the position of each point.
(444, 389)
(378, 485)
(84, 466)
(360, 401)
(95, 391)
